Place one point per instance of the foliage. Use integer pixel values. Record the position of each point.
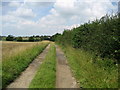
(54, 37)
(19, 39)
(25, 38)
(92, 50)
(2, 38)
(10, 38)
(31, 39)
(45, 37)
(46, 74)
(100, 36)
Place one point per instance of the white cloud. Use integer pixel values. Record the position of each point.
(23, 12)
(37, 4)
(63, 15)
(74, 12)
(14, 4)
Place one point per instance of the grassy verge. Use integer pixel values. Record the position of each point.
(14, 65)
(46, 75)
(99, 74)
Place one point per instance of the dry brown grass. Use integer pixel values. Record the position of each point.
(10, 49)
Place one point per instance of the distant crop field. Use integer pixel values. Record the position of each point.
(10, 49)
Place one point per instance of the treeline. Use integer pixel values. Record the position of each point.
(25, 39)
(100, 36)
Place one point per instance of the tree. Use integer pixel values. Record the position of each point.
(31, 39)
(10, 38)
(54, 37)
(20, 39)
(100, 36)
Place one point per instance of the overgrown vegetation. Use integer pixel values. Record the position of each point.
(100, 36)
(93, 51)
(46, 74)
(14, 64)
(102, 74)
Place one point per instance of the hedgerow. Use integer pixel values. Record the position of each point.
(99, 36)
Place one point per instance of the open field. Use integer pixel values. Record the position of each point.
(101, 74)
(46, 75)
(10, 49)
(17, 56)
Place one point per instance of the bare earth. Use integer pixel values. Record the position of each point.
(26, 77)
(64, 78)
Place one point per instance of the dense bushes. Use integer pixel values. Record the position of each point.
(100, 36)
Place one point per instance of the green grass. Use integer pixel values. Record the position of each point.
(46, 75)
(101, 74)
(13, 66)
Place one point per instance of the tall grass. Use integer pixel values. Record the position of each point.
(10, 49)
(15, 63)
(46, 75)
(99, 74)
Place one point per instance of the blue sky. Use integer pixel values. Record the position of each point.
(40, 11)
(35, 17)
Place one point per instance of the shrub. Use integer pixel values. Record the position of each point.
(99, 36)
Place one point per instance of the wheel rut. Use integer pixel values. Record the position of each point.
(64, 78)
(24, 80)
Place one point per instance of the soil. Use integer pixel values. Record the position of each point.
(64, 78)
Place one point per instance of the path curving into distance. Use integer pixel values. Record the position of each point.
(64, 78)
(24, 80)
